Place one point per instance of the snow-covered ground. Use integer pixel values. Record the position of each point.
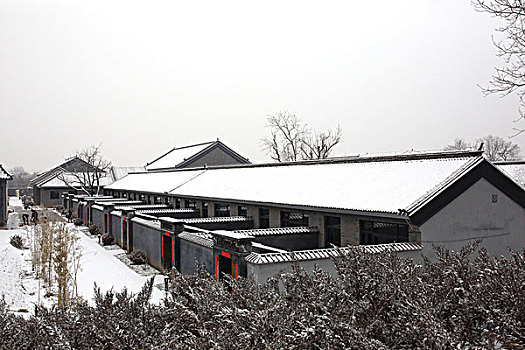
(101, 266)
(21, 289)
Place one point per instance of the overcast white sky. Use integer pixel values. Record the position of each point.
(143, 76)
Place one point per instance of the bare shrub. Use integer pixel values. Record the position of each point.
(16, 241)
(137, 257)
(107, 239)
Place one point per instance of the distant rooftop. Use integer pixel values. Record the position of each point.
(514, 169)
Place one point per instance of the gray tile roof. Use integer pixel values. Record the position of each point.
(147, 222)
(200, 238)
(218, 219)
(327, 253)
(278, 231)
(144, 206)
(168, 211)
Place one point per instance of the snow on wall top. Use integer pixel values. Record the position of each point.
(176, 156)
(372, 185)
(516, 170)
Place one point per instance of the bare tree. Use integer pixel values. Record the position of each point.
(497, 149)
(20, 177)
(291, 140)
(459, 144)
(86, 175)
(511, 77)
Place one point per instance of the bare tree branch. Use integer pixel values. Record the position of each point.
(511, 77)
(85, 176)
(495, 148)
(291, 140)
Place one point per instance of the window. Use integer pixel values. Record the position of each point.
(242, 211)
(54, 195)
(190, 203)
(166, 200)
(222, 209)
(373, 232)
(264, 218)
(291, 219)
(204, 209)
(332, 231)
(157, 200)
(177, 203)
(142, 198)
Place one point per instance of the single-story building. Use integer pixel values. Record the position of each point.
(445, 198)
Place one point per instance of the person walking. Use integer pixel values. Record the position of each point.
(34, 216)
(25, 218)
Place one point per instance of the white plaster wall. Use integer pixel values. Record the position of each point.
(471, 215)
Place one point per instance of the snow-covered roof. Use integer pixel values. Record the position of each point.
(118, 172)
(63, 179)
(142, 206)
(169, 211)
(156, 182)
(382, 184)
(231, 234)
(176, 156)
(216, 219)
(278, 231)
(147, 222)
(515, 169)
(200, 238)
(73, 164)
(4, 175)
(185, 157)
(326, 253)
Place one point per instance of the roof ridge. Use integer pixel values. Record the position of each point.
(339, 160)
(178, 148)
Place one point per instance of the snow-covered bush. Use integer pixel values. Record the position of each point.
(107, 239)
(137, 257)
(378, 302)
(16, 241)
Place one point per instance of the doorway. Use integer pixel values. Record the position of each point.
(167, 252)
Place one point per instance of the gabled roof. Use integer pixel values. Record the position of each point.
(4, 175)
(397, 185)
(67, 166)
(180, 157)
(62, 179)
(515, 169)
